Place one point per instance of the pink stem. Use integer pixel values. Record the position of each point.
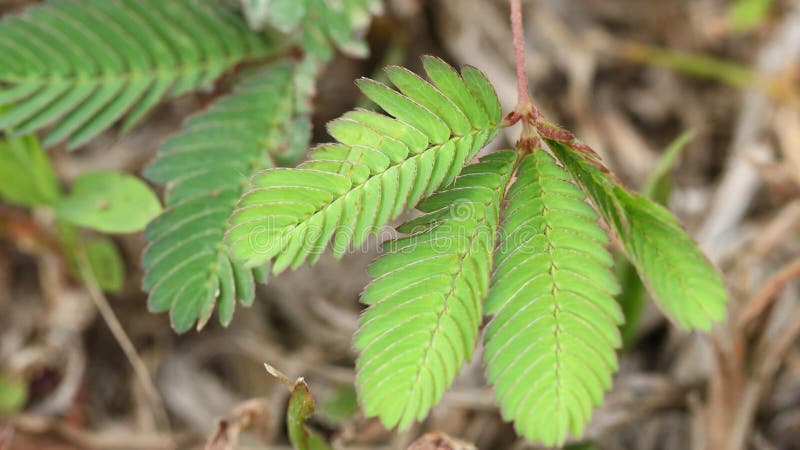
(519, 52)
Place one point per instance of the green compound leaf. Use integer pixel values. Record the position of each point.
(26, 175)
(83, 65)
(425, 303)
(110, 202)
(206, 168)
(677, 274)
(550, 349)
(381, 167)
(657, 187)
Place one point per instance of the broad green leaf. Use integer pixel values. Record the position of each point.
(27, 178)
(106, 263)
(341, 405)
(13, 394)
(110, 202)
(100, 252)
(746, 15)
(676, 273)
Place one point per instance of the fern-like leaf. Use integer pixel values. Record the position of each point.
(425, 304)
(379, 168)
(206, 169)
(83, 65)
(678, 276)
(550, 349)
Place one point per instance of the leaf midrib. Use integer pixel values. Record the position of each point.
(355, 187)
(496, 196)
(553, 290)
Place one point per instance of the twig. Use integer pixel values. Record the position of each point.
(523, 97)
(768, 292)
(139, 367)
(768, 354)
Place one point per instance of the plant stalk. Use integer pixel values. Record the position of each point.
(523, 97)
